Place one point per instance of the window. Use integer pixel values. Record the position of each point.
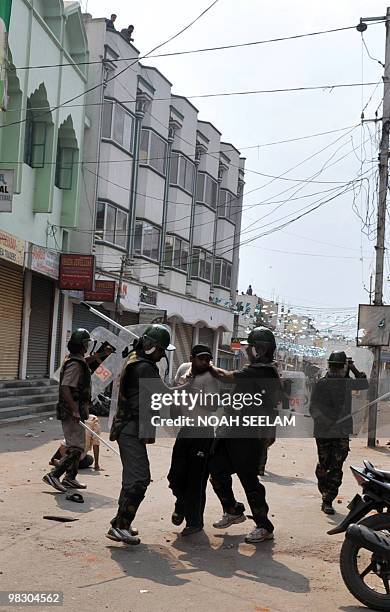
(223, 273)
(111, 224)
(182, 172)
(153, 150)
(147, 240)
(227, 206)
(117, 124)
(64, 167)
(206, 190)
(176, 253)
(201, 264)
(34, 140)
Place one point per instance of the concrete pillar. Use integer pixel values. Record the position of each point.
(217, 334)
(54, 324)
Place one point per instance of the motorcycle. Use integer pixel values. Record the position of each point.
(365, 553)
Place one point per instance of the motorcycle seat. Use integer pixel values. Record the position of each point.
(373, 470)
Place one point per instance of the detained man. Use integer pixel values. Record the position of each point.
(189, 471)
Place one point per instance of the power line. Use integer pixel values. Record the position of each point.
(115, 76)
(192, 51)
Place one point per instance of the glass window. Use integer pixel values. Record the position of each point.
(189, 180)
(101, 208)
(217, 272)
(144, 146)
(211, 192)
(195, 262)
(121, 228)
(128, 132)
(208, 265)
(109, 233)
(229, 275)
(119, 120)
(182, 172)
(107, 119)
(174, 168)
(158, 151)
(200, 187)
(64, 167)
(138, 238)
(35, 142)
(169, 242)
(184, 255)
(176, 253)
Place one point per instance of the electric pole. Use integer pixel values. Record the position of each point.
(381, 220)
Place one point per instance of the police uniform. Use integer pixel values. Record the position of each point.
(76, 375)
(239, 450)
(330, 407)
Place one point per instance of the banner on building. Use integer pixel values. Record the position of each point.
(5, 15)
(11, 248)
(105, 291)
(6, 189)
(77, 272)
(148, 316)
(44, 261)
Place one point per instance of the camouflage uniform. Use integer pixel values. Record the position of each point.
(331, 407)
(73, 432)
(332, 452)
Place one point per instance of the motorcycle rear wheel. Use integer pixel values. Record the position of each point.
(349, 567)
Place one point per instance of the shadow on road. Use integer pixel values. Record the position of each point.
(285, 481)
(196, 554)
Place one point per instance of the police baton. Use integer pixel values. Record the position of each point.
(99, 438)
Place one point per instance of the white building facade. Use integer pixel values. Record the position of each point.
(162, 202)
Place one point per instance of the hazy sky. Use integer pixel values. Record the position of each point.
(297, 275)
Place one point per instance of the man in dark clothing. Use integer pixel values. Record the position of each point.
(127, 428)
(239, 451)
(110, 23)
(330, 407)
(188, 474)
(73, 406)
(127, 33)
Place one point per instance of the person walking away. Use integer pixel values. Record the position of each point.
(238, 451)
(141, 365)
(73, 406)
(330, 407)
(188, 474)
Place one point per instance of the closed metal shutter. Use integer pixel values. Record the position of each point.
(206, 336)
(183, 343)
(39, 335)
(57, 359)
(11, 309)
(129, 318)
(82, 317)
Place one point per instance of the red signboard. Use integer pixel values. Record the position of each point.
(77, 272)
(104, 292)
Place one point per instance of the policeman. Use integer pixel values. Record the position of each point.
(330, 407)
(127, 427)
(73, 407)
(239, 450)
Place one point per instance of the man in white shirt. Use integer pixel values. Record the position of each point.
(189, 471)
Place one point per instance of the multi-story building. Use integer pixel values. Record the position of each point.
(163, 196)
(41, 140)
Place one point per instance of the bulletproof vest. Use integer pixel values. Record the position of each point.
(128, 400)
(81, 394)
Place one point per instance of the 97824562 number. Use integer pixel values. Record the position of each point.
(31, 598)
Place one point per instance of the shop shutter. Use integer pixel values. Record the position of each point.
(39, 335)
(206, 336)
(183, 343)
(82, 317)
(11, 309)
(57, 360)
(129, 318)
